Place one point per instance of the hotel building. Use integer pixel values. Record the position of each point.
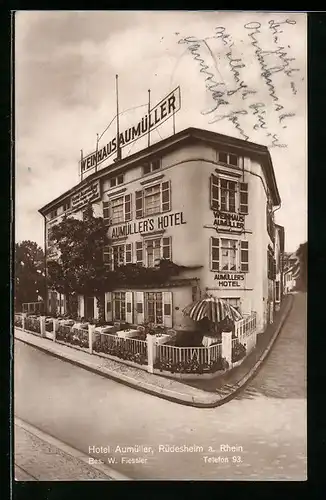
(201, 199)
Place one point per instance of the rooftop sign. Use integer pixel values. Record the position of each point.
(164, 110)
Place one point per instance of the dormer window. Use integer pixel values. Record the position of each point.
(228, 158)
(151, 166)
(66, 206)
(116, 181)
(53, 214)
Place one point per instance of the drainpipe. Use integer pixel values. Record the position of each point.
(45, 268)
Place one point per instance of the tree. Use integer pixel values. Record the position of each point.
(80, 267)
(302, 254)
(29, 273)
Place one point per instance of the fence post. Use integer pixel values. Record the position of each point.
(55, 327)
(23, 321)
(227, 347)
(42, 326)
(91, 331)
(151, 352)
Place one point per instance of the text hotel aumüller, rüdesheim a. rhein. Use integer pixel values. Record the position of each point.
(141, 454)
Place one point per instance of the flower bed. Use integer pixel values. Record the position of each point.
(119, 350)
(191, 366)
(72, 336)
(49, 325)
(18, 321)
(32, 324)
(238, 352)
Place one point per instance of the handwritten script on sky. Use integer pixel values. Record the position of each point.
(262, 105)
(241, 74)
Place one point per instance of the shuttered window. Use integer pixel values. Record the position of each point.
(227, 195)
(244, 256)
(117, 210)
(128, 253)
(215, 254)
(139, 252)
(243, 208)
(229, 255)
(153, 200)
(214, 192)
(157, 249)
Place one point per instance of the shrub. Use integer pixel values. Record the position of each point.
(191, 366)
(238, 352)
(120, 351)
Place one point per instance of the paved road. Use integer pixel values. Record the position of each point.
(266, 423)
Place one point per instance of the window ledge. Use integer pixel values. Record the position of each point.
(230, 174)
(153, 233)
(114, 193)
(153, 179)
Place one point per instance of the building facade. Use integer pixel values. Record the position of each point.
(279, 260)
(197, 198)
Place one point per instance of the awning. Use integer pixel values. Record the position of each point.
(213, 308)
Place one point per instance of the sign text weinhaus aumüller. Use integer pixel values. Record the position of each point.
(161, 112)
(234, 221)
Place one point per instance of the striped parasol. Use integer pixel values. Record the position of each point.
(213, 308)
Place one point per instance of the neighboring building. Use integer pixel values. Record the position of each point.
(279, 259)
(291, 272)
(201, 199)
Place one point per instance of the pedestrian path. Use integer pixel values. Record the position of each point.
(38, 455)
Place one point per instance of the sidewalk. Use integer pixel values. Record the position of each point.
(197, 393)
(41, 457)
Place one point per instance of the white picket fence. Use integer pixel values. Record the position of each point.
(204, 355)
(136, 346)
(246, 327)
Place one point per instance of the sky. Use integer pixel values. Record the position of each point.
(65, 65)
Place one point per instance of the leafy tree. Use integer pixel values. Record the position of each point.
(29, 273)
(80, 267)
(302, 254)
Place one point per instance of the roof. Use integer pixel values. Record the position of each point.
(188, 135)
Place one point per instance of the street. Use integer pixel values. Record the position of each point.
(266, 423)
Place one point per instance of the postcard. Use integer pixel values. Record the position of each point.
(160, 281)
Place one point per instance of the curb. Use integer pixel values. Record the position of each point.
(166, 394)
(83, 457)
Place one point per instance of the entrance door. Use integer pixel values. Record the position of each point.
(89, 313)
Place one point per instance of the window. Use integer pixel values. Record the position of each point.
(154, 307)
(153, 200)
(151, 166)
(157, 249)
(228, 158)
(227, 195)
(117, 214)
(66, 206)
(116, 181)
(119, 306)
(53, 214)
(234, 302)
(277, 291)
(229, 255)
(117, 210)
(118, 255)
